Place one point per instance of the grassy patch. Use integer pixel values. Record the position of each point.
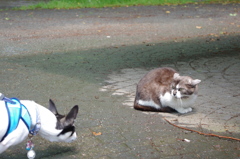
(71, 4)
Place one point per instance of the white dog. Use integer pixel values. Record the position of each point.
(33, 118)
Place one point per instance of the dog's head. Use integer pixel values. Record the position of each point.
(65, 124)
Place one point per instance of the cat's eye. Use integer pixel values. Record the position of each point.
(181, 89)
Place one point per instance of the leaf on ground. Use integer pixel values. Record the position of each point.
(233, 14)
(97, 133)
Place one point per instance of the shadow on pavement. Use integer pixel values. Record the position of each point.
(76, 78)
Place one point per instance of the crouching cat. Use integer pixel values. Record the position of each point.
(164, 90)
(20, 118)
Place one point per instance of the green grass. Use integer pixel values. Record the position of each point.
(71, 4)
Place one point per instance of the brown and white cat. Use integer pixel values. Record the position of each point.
(164, 90)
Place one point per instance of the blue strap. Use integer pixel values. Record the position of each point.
(14, 114)
(26, 118)
(16, 111)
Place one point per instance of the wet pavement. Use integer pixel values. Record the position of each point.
(95, 57)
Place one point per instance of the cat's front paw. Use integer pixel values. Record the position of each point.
(184, 110)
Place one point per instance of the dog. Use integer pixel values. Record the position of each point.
(32, 118)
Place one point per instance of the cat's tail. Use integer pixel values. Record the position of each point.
(141, 107)
(137, 106)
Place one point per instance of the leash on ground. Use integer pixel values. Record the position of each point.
(201, 133)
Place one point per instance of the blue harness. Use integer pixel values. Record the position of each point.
(16, 112)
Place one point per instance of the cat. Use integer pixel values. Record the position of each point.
(164, 90)
(53, 126)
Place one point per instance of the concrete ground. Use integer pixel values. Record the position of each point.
(95, 57)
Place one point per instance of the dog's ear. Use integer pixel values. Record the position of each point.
(52, 107)
(71, 116)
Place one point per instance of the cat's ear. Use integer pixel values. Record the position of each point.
(195, 82)
(52, 107)
(72, 115)
(176, 76)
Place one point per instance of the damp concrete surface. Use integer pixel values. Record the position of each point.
(95, 57)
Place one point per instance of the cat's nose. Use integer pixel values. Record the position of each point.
(174, 93)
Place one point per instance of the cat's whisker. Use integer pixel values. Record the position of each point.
(179, 101)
